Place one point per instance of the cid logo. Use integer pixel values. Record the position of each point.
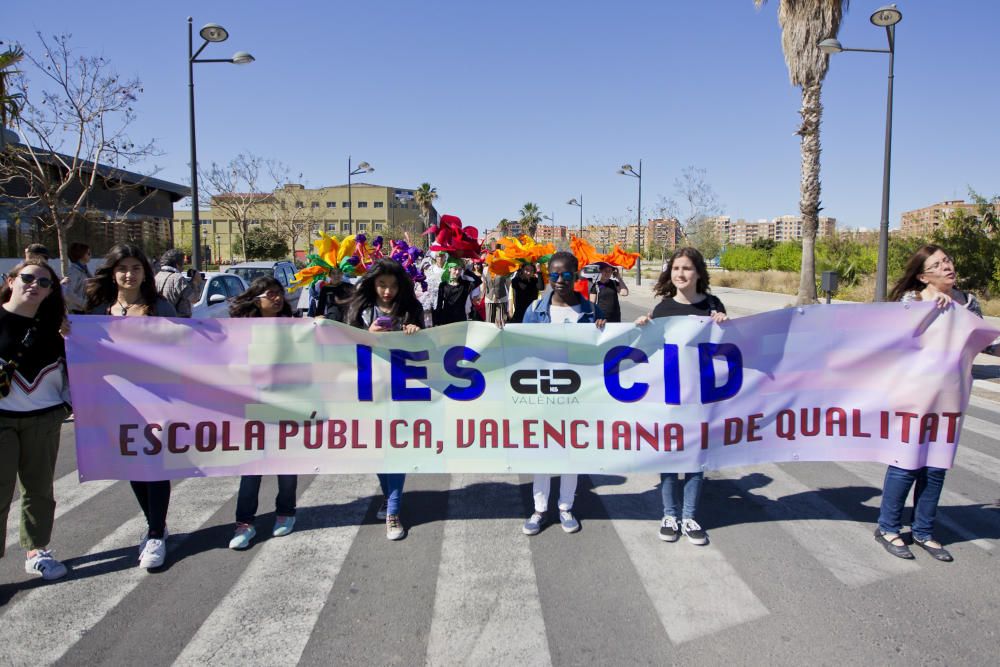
(549, 382)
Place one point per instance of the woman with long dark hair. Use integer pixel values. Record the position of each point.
(929, 276)
(683, 287)
(124, 287)
(32, 406)
(264, 298)
(386, 301)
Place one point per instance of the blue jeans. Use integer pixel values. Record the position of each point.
(925, 500)
(392, 489)
(246, 500)
(692, 491)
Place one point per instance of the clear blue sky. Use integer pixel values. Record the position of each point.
(500, 103)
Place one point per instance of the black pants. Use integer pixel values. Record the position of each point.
(154, 499)
(246, 500)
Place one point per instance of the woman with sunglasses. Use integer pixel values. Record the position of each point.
(562, 305)
(32, 406)
(929, 276)
(264, 298)
(124, 287)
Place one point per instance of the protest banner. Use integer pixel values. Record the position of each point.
(160, 398)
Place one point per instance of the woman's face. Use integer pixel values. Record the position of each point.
(30, 292)
(454, 273)
(386, 289)
(562, 284)
(683, 274)
(271, 302)
(939, 271)
(128, 273)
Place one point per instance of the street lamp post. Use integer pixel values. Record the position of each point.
(218, 248)
(363, 168)
(575, 202)
(627, 170)
(884, 17)
(210, 33)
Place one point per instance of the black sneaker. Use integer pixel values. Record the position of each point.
(695, 533)
(669, 530)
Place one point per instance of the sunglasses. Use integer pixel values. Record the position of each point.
(42, 281)
(566, 276)
(270, 295)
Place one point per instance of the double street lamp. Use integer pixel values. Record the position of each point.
(363, 168)
(210, 33)
(575, 202)
(884, 17)
(627, 170)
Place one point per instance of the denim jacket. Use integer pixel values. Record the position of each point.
(539, 312)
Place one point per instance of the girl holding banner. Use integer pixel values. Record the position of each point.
(264, 298)
(386, 301)
(684, 288)
(562, 305)
(32, 407)
(124, 287)
(928, 276)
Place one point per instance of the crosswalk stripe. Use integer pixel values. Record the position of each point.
(840, 544)
(69, 494)
(985, 404)
(713, 596)
(47, 621)
(247, 626)
(874, 474)
(487, 608)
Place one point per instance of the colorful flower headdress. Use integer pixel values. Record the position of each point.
(586, 254)
(332, 253)
(451, 237)
(516, 252)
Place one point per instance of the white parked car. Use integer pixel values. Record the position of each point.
(216, 295)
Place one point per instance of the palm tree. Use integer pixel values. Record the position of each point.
(10, 103)
(530, 217)
(425, 196)
(503, 227)
(804, 24)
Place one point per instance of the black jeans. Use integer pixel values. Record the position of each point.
(246, 500)
(154, 499)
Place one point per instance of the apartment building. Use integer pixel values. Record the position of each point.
(364, 209)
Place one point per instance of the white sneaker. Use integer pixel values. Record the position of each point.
(43, 565)
(568, 521)
(145, 538)
(394, 528)
(154, 552)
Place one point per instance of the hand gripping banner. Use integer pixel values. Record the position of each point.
(160, 398)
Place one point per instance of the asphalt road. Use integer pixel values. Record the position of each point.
(792, 574)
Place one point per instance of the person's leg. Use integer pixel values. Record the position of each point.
(894, 491)
(540, 487)
(159, 502)
(40, 435)
(567, 491)
(141, 491)
(692, 492)
(668, 485)
(926, 494)
(382, 477)
(246, 499)
(10, 446)
(394, 492)
(284, 503)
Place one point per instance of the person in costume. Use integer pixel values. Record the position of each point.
(606, 290)
(452, 295)
(684, 290)
(124, 286)
(33, 394)
(323, 277)
(385, 301)
(524, 288)
(264, 298)
(562, 305)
